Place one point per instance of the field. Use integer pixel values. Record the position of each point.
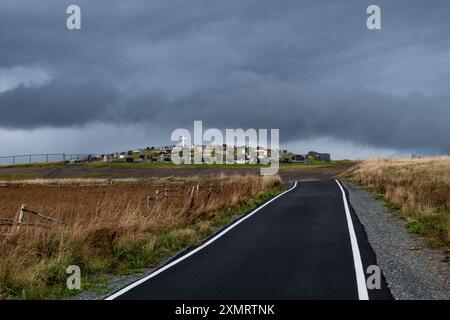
(111, 226)
(415, 189)
(288, 172)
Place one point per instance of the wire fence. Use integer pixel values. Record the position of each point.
(187, 196)
(16, 224)
(43, 158)
(168, 194)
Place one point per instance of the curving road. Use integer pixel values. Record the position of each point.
(305, 244)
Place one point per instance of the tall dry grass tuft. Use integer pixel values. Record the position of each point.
(111, 226)
(419, 188)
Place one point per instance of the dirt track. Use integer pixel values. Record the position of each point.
(288, 174)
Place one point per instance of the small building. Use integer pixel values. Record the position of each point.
(289, 157)
(325, 157)
(299, 158)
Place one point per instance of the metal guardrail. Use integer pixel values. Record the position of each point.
(42, 158)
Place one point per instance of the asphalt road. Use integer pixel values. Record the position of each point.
(298, 246)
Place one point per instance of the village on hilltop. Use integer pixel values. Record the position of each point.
(242, 155)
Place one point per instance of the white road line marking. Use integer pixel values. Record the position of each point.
(359, 270)
(167, 266)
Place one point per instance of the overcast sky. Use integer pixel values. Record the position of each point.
(139, 69)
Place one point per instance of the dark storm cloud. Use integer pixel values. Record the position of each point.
(58, 104)
(310, 68)
(380, 120)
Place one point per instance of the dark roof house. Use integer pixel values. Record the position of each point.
(326, 157)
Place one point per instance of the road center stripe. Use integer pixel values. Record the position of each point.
(360, 278)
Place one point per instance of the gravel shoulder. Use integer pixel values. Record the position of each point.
(413, 271)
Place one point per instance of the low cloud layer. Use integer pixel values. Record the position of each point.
(311, 69)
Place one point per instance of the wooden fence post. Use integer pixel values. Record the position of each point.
(191, 194)
(21, 215)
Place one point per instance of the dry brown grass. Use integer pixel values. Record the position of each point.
(419, 188)
(110, 226)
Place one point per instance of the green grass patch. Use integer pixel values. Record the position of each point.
(52, 283)
(18, 176)
(432, 226)
(149, 165)
(416, 226)
(144, 165)
(35, 165)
